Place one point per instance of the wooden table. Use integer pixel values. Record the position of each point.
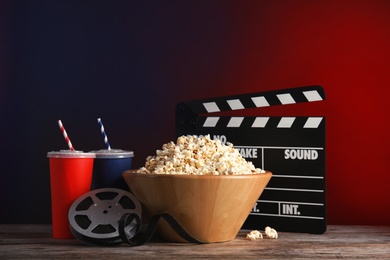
(347, 242)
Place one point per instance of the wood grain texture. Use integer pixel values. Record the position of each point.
(211, 208)
(345, 242)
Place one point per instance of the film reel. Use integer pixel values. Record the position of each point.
(94, 216)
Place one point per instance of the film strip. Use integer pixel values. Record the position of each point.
(109, 217)
(292, 148)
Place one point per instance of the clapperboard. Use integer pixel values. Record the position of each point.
(292, 148)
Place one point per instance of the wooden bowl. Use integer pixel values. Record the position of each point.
(211, 208)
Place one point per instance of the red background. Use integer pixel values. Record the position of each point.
(343, 46)
(130, 63)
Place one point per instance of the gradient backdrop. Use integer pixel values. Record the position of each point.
(130, 62)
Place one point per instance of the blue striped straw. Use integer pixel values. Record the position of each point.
(104, 133)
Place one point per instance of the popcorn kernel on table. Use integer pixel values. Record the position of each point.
(271, 233)
(254, 235)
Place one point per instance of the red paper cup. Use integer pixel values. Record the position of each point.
(70, 177)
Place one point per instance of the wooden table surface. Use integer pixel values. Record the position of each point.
(346, 242)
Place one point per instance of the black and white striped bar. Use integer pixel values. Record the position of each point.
(261, 122)
(256, 100)
(264, 100)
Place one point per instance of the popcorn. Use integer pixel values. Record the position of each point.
(254, 235)
(271, 233)
(192, 155)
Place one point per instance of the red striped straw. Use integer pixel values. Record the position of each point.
(65, 135)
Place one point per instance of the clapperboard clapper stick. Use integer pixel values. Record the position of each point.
(292, 148)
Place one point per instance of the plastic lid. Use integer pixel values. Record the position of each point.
(70, 154)
(113, 153)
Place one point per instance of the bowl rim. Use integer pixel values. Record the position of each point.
(188, 176)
